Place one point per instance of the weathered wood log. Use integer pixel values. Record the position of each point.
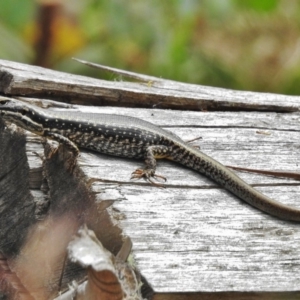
(190, 239)
(152, 92)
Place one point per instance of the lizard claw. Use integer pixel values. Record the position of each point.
(148, 175)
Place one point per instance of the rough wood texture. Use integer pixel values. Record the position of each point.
(20, 79)
(194, 237)
(38, 223)
(200, 237)
(14, 172)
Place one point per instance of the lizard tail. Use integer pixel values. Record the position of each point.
(205, 165)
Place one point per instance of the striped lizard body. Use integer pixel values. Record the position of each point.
(135, 138)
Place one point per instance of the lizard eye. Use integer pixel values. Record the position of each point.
(3, 102)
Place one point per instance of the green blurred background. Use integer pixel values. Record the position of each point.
(239, 44)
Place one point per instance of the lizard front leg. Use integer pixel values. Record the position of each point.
(66, 142)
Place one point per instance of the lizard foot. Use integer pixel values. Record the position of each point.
(148, 175)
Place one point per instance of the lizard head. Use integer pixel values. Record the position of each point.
(12, 106)
(18, 113)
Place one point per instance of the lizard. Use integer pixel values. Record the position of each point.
(130, 137)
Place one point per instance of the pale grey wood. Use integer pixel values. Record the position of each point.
(198, 236)
(193, 236)
(21, 79)
(207, 92)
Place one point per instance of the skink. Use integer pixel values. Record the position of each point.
(135, 138)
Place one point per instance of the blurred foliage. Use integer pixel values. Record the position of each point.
(247, 45)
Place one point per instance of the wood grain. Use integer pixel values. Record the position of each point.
(192, 238)
(21, 79)
(197, 235)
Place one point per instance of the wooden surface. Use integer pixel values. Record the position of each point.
(198, 236)
(151, 92)
(192, 236)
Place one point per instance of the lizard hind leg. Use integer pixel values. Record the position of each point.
(152, 153)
